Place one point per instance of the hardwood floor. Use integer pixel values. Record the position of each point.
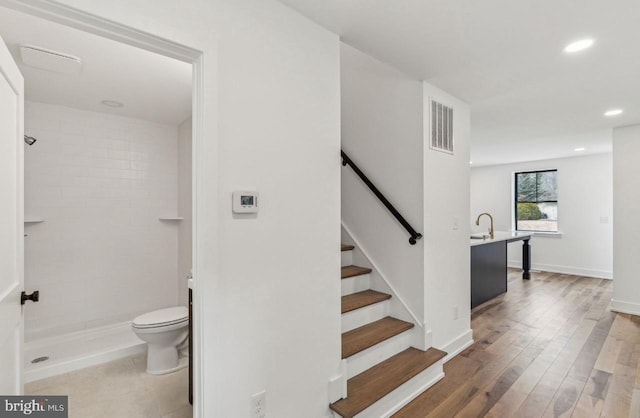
(549, 347)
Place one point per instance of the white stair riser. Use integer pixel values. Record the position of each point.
(363, 316)
(355, 284)
(404, 394)
(347, 258)
(368, 358)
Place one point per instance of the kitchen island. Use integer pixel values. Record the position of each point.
(489, 263)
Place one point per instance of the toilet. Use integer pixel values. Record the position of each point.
(164, 331)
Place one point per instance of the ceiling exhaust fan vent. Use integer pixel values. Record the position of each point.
(441, 122)
(45, 59)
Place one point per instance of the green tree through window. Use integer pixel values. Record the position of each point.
(536, 201)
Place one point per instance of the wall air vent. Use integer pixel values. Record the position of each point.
(45, 59)
(441, 123)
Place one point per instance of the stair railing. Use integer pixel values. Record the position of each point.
(414, 234)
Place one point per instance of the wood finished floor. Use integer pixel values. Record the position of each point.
(549, 347)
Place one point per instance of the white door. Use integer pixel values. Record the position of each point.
(11, 223)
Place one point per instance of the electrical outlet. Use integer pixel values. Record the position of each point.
(455, 312)
(259, 404)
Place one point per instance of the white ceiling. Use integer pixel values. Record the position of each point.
(529, 100)
(151, 87)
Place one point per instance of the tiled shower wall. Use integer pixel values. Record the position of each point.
(100, 182)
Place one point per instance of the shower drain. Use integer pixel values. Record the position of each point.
(40, 359)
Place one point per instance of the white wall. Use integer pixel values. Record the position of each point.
(270, 284)
(626, 207)
(446, 232)
(584, 213)
(100, 182)
(185, 207)
(382, 134)
(385, 128)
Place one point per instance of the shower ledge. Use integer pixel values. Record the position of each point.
(33, 220)
(171, 218)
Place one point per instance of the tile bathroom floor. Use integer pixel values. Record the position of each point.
(120, 388)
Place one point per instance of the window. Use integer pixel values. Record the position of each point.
(536, 201)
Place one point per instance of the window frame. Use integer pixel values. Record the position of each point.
(515, 200)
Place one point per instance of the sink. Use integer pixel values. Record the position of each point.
(480, 236)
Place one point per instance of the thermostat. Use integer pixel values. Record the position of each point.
(245, 202)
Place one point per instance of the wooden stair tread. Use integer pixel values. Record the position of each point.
(366, 336)
(346, 247)
(350, 271)
(362, 299)
(372, 385)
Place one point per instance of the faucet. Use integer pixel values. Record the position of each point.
(491, 218)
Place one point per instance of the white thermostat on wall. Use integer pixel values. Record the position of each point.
(245, 202)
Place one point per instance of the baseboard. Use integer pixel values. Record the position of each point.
(422, 338)
(338, 384)
(457, 345)
(576, 271)
(625, 307)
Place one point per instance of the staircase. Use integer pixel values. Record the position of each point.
(384, 371)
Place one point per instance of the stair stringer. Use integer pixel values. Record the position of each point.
(398, 308)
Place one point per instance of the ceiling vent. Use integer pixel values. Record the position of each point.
(441, 122)
(50, 60)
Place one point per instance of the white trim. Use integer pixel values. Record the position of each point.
(423, 340)
(576, 271)
(547, 234)
(199, 167)
(422, 337)
(622, 306)
(338, 384)
(87, 22)
(10, 72)
(100, 26)
(458, 345)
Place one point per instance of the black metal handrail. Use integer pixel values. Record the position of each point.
(414, 234)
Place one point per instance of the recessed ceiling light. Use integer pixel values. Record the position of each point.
(613, 112)
(112, 103)
(578, 45)
(579, 149)
(470, 162)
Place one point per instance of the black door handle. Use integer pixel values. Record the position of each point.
(34, 297)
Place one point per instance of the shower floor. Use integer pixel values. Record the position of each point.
(78, 350)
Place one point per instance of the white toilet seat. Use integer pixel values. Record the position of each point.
(162, 318)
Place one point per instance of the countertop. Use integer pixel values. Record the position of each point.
(500, 236)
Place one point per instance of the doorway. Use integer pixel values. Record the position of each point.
(169, 220)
